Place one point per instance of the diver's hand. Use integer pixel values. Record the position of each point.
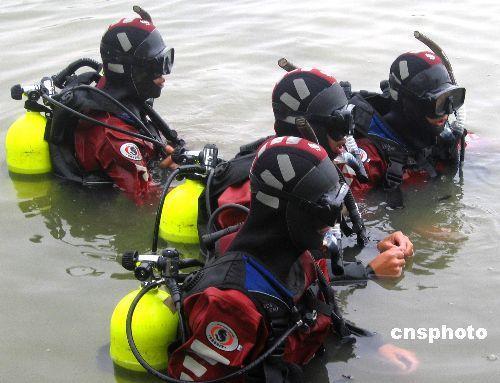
(404, 359)
(389, 263)
(397, 239)
(168, 162)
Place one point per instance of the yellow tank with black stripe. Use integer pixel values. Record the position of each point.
(26, 150)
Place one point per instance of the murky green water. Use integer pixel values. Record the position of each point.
(61, 279)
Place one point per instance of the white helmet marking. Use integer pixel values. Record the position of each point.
(290, 101)
(268, 200)
(271, 180)
(314, 146)
(403, 69)
(301, 88)
(117, 68)
(292, 140)
(124, 41)
(276, 140)
(286, 167)
(261, 150)
(394, 94)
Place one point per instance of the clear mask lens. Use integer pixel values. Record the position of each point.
(449, 101)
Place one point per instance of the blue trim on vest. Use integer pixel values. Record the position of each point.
(125, 117)
(258, 278)
(379, 128)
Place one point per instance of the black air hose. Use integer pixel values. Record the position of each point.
(217, 211)
(52, 101)
(60, 77)
(208, 205)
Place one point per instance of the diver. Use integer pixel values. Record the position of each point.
(126, 143)
(322, 101)
(241, 302)
(404, 132)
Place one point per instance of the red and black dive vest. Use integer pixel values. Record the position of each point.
(400, 158)
(306, 294)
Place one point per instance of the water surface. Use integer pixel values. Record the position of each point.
(61, 279)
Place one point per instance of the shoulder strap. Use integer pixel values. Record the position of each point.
(226, 272)
(231, 172)
(393, 154)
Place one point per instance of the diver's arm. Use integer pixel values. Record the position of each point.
(168, 162)
(402, 358)
(124, 159)
(119, 155)
(389, 263)
(405, 360)
(397, 239)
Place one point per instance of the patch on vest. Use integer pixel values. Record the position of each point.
(222, 336)
(131, 151)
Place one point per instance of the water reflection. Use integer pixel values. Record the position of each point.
(83, 271)
(433, 218)
(121, 375)
(100, 222)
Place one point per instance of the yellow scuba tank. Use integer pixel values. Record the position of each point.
(26, 150)
(154, 327)
(179, 217)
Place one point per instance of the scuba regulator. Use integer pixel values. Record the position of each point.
(343, 272)
(197, 168)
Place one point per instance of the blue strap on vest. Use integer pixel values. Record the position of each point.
(259, 279)
(380, 129)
